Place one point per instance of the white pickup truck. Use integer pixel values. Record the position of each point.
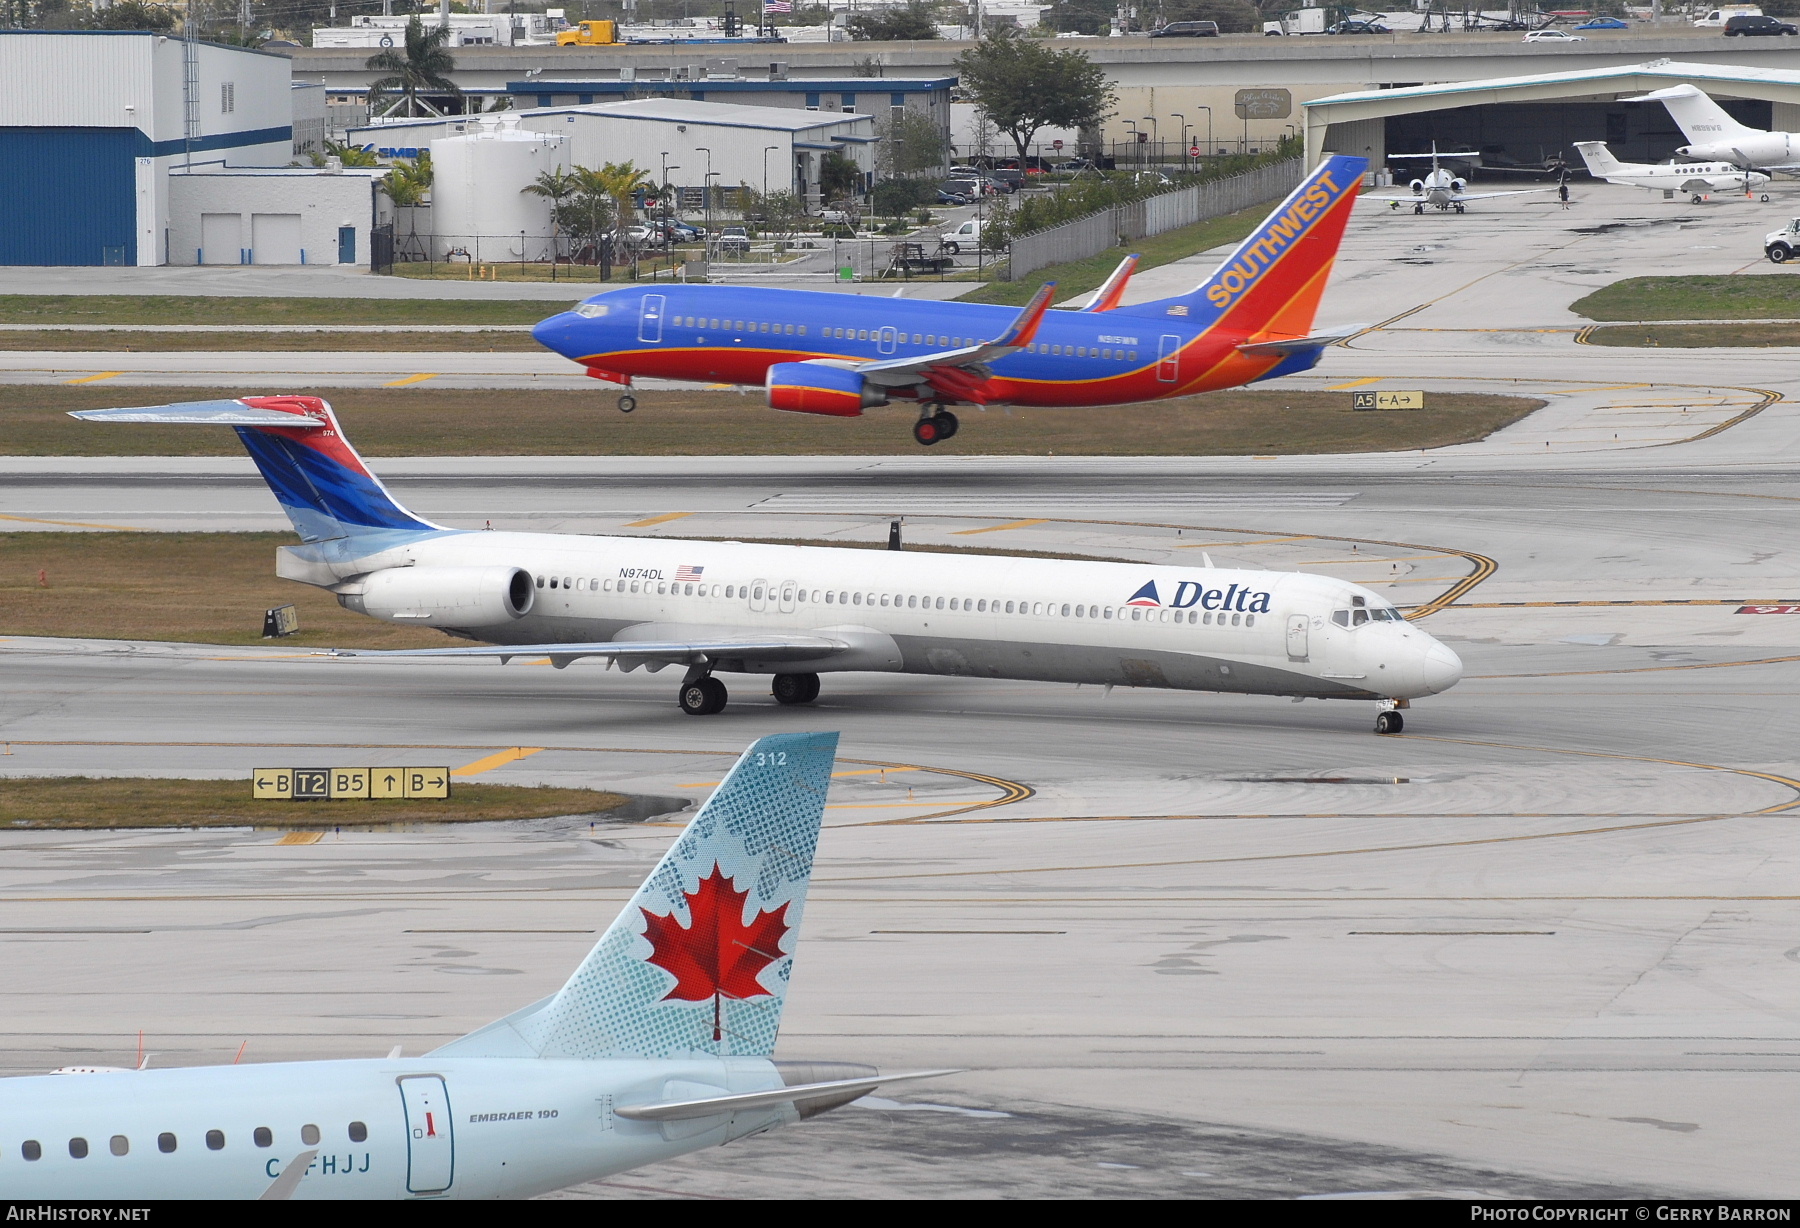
(1783, 245)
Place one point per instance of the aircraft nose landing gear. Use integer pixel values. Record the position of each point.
(627, 403)
(1389, 720)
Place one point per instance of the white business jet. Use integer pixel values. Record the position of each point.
(657, 1046)
(1698, 180)
(795, 612)
(1713, 136)
(1441, 189)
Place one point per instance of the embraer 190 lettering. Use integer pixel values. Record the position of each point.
(660, 1044)
(838, 354)
(796, 612)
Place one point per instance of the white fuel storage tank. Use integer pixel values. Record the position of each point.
(479, 206)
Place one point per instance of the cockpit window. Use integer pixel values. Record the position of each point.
(591, 310)
(1356, 618)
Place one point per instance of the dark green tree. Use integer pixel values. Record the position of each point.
(910, 142)
(839, 177)
(894, 25)
(423, 64)
(1023, 86)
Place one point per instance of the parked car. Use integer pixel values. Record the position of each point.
(1552, 36)
(1008, 175)
(684, 232)
(1188, 29)
(1358, 27)
(733, 239)
(838, 217)
(1604, 23)
(966, 235)
(1745, 24)
(1073, 167)
(948, 196)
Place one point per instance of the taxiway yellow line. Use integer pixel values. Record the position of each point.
(1356, 383)
(94, 379)
(412, 379)
(996, 528)
(511, 754)
(77, 524)
(662, 519)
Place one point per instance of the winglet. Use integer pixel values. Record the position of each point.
(1024, 327)
(1112, 290)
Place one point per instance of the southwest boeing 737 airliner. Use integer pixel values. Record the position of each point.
(839, 354)
(795, 612)
(658, 1045)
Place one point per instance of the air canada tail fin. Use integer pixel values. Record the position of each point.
(317, 477)
(1270, 286)
(1599, 159)
(1703, 121)
(698, 962)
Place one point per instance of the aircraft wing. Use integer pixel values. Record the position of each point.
(956, 372)
(1113, 288)
(630, 654)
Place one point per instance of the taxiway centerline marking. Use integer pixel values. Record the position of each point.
(997, 528)
(499, 759)
(655, 520)
(411, 379)
(94, 379)
(1356, 383)
(77, 524)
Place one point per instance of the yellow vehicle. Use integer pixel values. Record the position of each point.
(589, 34)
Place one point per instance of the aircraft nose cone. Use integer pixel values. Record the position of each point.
(553, 333)
(1443, 668)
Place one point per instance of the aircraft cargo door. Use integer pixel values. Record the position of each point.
(650, 323)
(1168, 359)
(1296, 637)
(430, 1147)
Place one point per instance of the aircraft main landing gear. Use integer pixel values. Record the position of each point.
(795, 688)
(933, 427)
(703, 696)
(1419, 208)
(1459, 207)
(627, 403)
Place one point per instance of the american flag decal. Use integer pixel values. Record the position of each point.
(685, 572)
(778, 6)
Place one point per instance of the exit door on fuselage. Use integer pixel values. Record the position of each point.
(430, 1145)
(651, 321)
(1168, 359)
(1296, 637)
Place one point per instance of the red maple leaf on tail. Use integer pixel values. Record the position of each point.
(717, 955)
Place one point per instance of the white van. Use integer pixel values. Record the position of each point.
(966, 235)
(1725, 12)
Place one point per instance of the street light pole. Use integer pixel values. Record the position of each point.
(706, 189)
(1154, 138)
(1184, 145)
(767, 150)
(1132, 124)
(1208, 110)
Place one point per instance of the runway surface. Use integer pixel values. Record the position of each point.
(1185, 944)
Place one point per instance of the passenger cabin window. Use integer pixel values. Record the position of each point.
(165, 1143)
(78, 1148)
(262, 1136)
(215, 1140)
(308, 1135)
(359, 1133)
(120, 1145)
(32, 1149)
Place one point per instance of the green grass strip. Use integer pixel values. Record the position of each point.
(1770, 297)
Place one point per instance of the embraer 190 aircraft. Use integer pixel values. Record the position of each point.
(1695, 179)
(839, 354)
(657, 1046)
(1713, 136)
(798, 611)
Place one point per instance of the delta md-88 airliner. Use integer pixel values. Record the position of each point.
(795, 612)
(839, 354)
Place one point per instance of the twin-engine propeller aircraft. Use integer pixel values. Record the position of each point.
(838, 354)
(1713, 136)
(660, 1044)
(796, 612)
(1697, 180)
(1440, 188)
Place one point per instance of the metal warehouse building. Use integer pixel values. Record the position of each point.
(92, 121)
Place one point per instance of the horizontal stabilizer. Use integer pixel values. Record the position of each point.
(841, 1090)
(1298, 345)
(201, 413)
(699, 651)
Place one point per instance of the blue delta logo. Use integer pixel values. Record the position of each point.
(1188, 593)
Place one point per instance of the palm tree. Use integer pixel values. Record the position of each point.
(623, 181)
(556, 186)
(408, 181)
(423, 65)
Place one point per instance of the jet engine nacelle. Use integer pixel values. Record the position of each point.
(1459, 185)
(1760, 149)
(1418, 187)
(443, 596)
(817, 388)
